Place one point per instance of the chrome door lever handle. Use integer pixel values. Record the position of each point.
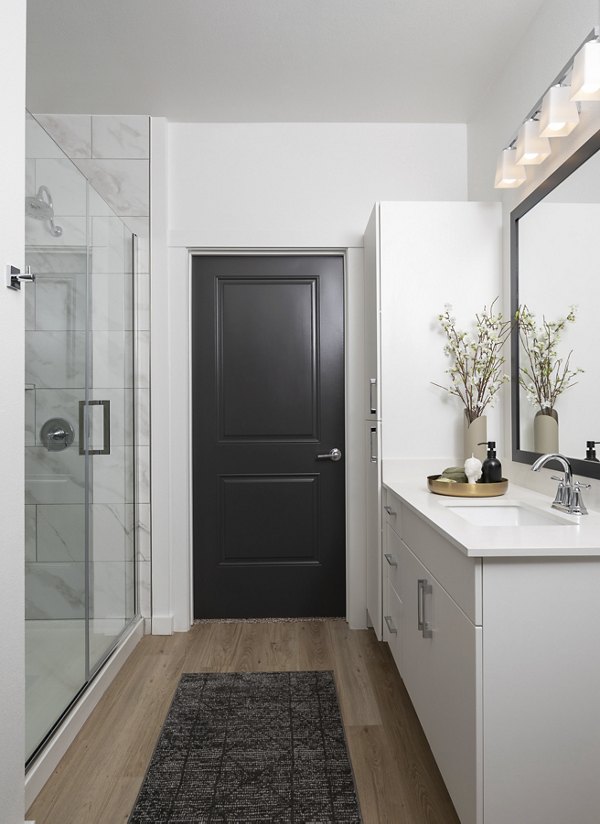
(334, 455)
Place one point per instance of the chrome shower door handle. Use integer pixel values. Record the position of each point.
(334, 454)
(85, 427)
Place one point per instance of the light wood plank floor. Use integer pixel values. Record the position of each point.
(398, 781)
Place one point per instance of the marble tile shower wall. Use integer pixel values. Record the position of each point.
(112, 152)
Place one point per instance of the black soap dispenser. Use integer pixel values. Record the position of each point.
(491, 469)
(590, 452)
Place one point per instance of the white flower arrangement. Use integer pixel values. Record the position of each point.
(546, 376)
(476, 373)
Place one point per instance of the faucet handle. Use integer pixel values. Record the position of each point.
(577, 506)
(560, 499)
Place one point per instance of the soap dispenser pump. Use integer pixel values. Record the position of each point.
(590, 452)
(491, 470)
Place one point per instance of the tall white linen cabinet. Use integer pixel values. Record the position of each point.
(419, 256)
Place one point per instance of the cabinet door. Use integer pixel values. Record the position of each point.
(441, 667)
(373, 502)
(372, 309)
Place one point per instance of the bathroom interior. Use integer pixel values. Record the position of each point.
(410, 171)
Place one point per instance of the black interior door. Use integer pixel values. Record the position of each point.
(268, 399)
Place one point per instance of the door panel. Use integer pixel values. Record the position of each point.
(268, 398)
(251, 370)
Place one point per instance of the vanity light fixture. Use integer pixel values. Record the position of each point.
(509, 174)
(532, 149)
(559, 114)
(555, 114)
(585, 81)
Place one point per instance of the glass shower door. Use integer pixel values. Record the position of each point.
(80, 455)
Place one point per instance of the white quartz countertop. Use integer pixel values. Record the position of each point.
(571, 536)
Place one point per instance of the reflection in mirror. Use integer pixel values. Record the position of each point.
(555, 265)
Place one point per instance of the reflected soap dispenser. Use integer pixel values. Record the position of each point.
(590, 450)
(491, 470)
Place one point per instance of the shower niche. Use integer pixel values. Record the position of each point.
(80, 454)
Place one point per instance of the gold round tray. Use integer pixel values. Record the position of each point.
(460, 490)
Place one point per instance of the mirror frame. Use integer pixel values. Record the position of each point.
(588, 469)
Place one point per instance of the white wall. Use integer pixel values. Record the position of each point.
(303, 184)
(276, 186)
(12, 380)
(433, 254)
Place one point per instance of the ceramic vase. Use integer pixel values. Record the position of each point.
(545, 432)
(474, 433)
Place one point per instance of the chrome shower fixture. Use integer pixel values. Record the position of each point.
(41, 207)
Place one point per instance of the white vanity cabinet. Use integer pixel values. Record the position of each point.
(500, 655)
(437, 649)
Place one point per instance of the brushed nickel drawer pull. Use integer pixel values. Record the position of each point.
(389, 510)
(390, 559)
(423, 625)
(390, 625)
(372, 403)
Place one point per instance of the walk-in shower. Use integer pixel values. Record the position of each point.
(79, 434)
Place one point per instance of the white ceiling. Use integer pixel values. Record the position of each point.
(271, 60)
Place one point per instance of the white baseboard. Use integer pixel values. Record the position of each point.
(162, 625)
(49, 758)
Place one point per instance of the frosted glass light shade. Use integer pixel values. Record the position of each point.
(531, 148)
(585, 80)
(559, 114)
(509, 175)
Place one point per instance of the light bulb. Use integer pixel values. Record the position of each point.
(559, 114)
(509, 175)
(531, 148)
(585, 80)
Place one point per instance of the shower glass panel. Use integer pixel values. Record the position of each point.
(79, 513)
(110, 429)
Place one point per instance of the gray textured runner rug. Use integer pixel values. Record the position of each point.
(264, 747)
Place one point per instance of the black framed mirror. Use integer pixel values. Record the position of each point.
(555, 264)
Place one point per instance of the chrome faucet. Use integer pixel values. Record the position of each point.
(568, 496)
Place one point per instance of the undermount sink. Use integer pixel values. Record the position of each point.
(505, 515)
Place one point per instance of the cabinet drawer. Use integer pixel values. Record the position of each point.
(392, 624)
(459, 575)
